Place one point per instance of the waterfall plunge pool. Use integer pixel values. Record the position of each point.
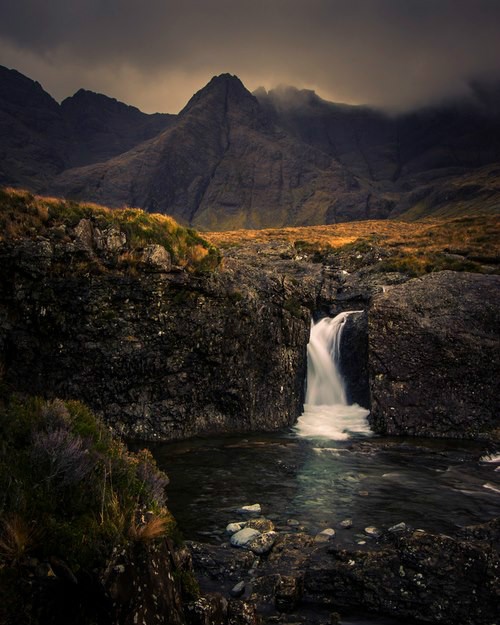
(326, 469)
(430, 484)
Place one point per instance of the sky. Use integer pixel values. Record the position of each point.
(154, 54)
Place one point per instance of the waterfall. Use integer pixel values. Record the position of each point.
(326, 411)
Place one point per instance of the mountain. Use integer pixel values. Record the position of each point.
(102, 127)
(232, 159)
(33, 137)
(224, 164)
(40, 138)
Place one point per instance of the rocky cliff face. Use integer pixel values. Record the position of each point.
(90, 310)
(434, 345)
(160, 353)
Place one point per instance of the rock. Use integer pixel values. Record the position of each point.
(250, 510)
(346, 523)
(232, 528)
(263, 525)
(244, 537)
(209, 609)
(143, 582)
(109, 240)
(421, 334)
(324, 536)
(157, 258)
(288, 592)
(263, 543)
(241, 613)
(293, 522)
(237, 590)
(400, 527)
(154, 348)
(354, 359)
(423, 577)
(84, 234)
(372, 531)
(220, 562)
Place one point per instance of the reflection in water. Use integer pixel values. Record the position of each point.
(435, 485)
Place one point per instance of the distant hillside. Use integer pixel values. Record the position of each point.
(232, 159)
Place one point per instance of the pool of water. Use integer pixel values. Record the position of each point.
(433, 485)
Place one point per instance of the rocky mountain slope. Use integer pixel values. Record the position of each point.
(40, 138)
(231, 159)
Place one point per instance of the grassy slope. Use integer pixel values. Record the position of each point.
(460, 243)
(23, 214)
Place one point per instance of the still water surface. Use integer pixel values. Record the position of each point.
(434, 485)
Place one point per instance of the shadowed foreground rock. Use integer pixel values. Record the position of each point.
(429, 578)
(159, 352)
(434, 356)
(409, 575)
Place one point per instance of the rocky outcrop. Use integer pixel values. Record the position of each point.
(400, 573)
(354, 359)
(159, 352)
(419, 576)
(434, 356)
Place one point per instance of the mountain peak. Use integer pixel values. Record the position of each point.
(222, 87)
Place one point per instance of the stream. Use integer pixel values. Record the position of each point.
(329, 468)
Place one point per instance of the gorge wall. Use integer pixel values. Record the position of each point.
(159, 352)
(434, 345)
(165, 353)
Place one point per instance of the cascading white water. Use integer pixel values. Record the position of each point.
(326, 411)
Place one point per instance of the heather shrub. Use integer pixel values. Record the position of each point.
(70, 489)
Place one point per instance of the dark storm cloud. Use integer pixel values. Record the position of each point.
(155, 54)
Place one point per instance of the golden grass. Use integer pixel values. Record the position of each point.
(472, 236)
(155, 527)
(17, 539)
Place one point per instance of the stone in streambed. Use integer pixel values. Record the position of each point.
(263, 525)
(400, 527)
(325, 535)
(262, 544)
(254, 509)
(346, 523)
(237, 590)
(372, 531)
(244, 537)
(232, 528)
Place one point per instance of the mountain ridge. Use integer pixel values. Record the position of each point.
(232, 159)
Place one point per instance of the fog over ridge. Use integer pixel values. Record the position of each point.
(156, 54)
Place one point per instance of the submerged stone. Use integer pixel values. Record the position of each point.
(252, 509)
(237, 590)
(244, 537)
(324, 536)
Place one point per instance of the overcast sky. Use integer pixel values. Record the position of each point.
(156, 53)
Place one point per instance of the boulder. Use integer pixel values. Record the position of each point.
(244, 537)
(434, 356)
(157, 258)
(263, 525)
(263, 543)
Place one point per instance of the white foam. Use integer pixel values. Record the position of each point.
(337, 422)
